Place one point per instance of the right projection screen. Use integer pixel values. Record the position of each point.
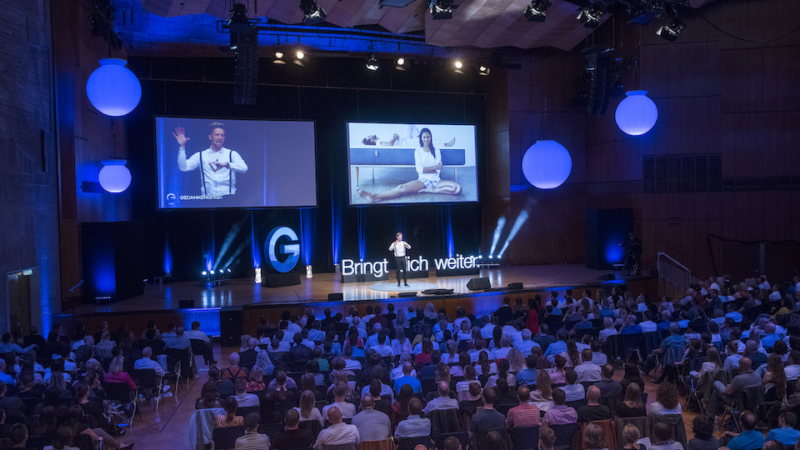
(403, 163)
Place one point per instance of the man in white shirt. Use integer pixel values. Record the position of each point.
(648, 325)
(365, 320)
(443, 401)
(146, 363)
(345, 409)
(195, 333)
(219, 164)
(527, 344)
(792, 369)
(383, 348)
(399, 248)
(244, 399)
(349, 362)
(315, 333)
(573, 390)
(339, 433)
(488, 328)
(587, 370)
(293, 327)
(179, 341)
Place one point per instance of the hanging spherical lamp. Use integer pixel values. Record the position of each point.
(114, 176)
(547, 164)
(637, 113)
(113, 89)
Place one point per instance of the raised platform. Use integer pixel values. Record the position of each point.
(160, 302)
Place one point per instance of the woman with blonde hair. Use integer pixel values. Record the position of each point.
(308, 408)
(102, 349)
(255, 382)
(516, 360)
(630, 438)
(632, 406)
(608, 330)
(544, 389)
(264, 363)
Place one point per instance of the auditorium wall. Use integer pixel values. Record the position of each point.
(28, 173)
(718, 97)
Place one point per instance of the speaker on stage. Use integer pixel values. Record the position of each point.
(111, 255)
(184, 304)
(605, 230)
(407, 294)
(336, 297)
(515, 286)
(479, 284)
(231, 325)
(280, 279)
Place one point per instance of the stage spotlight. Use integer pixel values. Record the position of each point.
(258, 275)
(299, 58)
(314, 15)
(229, 270)
(278, 58)
(458, 64)
(670, 32)
(483, 70)
(523, 216)
(212, 272)
(537, 10)
(372, 62)
(441, 9)
(205, 273)
(591, 16)
(300, 54)
(491, 257)
(400, 64)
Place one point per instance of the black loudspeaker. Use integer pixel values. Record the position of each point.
(280, 279)
(245, 87)
(607, 277)
(479, 284)
(407, 294)
(515, 286)
(605, 230)
(183, 304)
(336, 297)
(437, 291)
(231, 325)
(111, 256)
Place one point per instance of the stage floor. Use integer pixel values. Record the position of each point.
(246, 292)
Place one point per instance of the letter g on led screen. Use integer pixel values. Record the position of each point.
(273, 248)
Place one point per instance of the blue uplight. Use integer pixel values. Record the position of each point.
(113, 89)
(636, 114)
(114, 177)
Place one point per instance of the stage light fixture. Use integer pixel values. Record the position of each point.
(278, 58)
(537, 11)
(300, 54)
(372, 62)
(458, 64)
(300, 58)
(441, 9)
(229, 270)
(258, 275)
(672, 31)
(400, 64)
(483, 70)
(592, 15)
(205, 273)
(314, 15)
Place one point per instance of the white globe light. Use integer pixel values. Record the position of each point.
(114, 176)
(113, 89)
(546, 164)
(636, 114)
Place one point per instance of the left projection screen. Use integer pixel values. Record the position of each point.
(224, 163)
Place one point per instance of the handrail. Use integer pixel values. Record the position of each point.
(672, 247)
(662, 273)
(675, 261)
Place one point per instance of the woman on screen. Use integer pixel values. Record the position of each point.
(429, 164)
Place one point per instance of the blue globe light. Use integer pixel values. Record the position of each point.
(114, 176)
(636, 114)
(546, 164)
(113, 89)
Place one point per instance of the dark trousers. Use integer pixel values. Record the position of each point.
(401, 264)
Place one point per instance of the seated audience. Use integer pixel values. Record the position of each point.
(229, 419)
(559, 414)
(414, 425)
(373, 425)
(748, 439)
(292, 437)
(593, 410)
(524, 415)
(632, 406)
(252, 439)
(703, 429)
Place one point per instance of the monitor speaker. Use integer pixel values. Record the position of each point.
(407, 294)
(336, 297)
(479, 284)
(231, 325)
(184, 304)
(515, 286)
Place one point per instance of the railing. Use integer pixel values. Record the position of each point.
(673, 277)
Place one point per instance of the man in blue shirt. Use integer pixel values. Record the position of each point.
(631, 327)
(674, 340)
(749, 438)
(559, 346)
(664, 324)
(407, 379)
(527, 377)
(769, 340)
(785, 433)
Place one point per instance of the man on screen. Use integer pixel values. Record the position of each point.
(218, 164)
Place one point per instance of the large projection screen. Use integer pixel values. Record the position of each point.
(225, 163)
(411, 163)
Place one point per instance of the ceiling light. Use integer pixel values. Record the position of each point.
(400, 64)
(536, 11)
(591, 16)
(372, 62)
(670, 32)
(442, 9)
(483, 70)
(278, 58)
(314, 15)
(300, 54)
(458, 64)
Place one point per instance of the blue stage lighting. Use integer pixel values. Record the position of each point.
(636, 114)
(523, 216)
(212, 272)
(490, 257)
(113, 89)
(205, 273)
(501, 222)
(546, 164)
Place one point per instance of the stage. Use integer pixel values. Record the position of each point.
(249, 301)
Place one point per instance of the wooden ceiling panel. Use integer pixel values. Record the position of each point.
(396, 18)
